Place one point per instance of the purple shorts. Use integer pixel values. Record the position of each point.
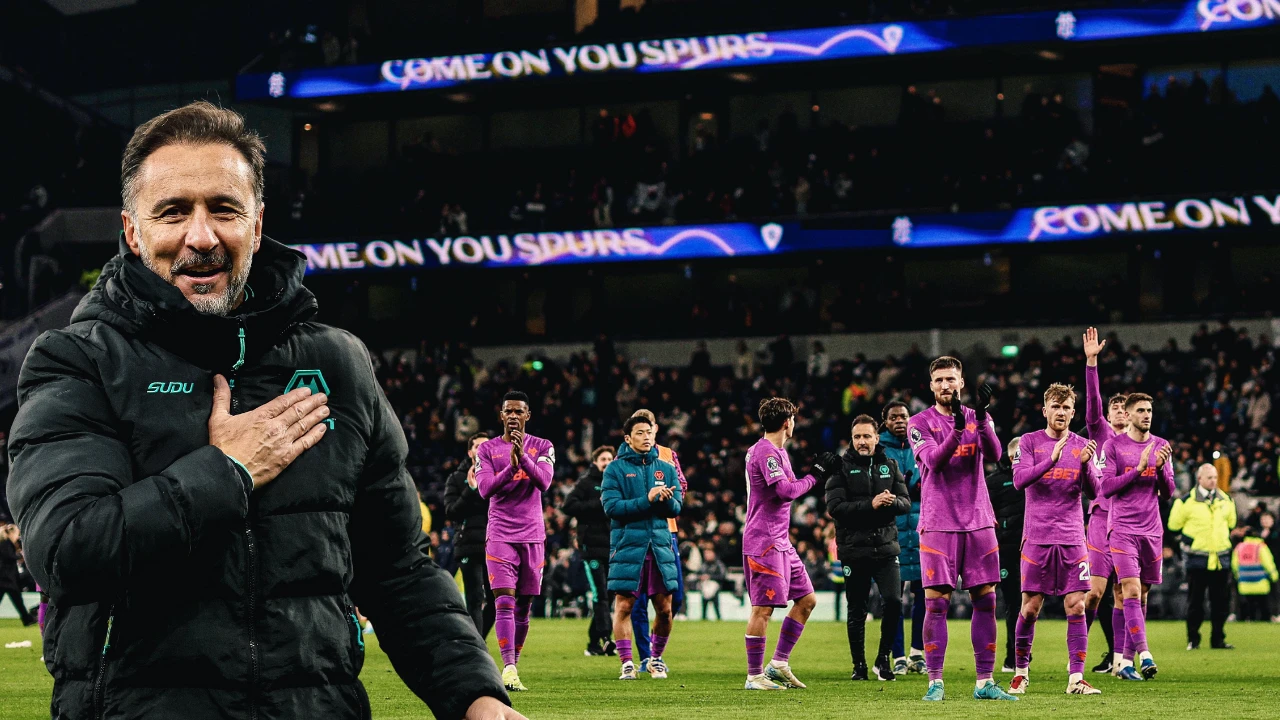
(515, 566)
(1100, 562)
(776, 577)
(1140, 556)
(959, 559)
(1055, 569)
(651, 582)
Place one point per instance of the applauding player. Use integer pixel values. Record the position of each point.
(1054, 466)
(1136, 471)
(515, 469)
(957, 524)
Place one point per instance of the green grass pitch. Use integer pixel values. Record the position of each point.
(707, 671)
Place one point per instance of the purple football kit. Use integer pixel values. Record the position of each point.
(1135, 527)
(1055, 560)
(958, 546)
(516, 536)
(773, 571)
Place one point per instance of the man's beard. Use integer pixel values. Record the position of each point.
(204, 301)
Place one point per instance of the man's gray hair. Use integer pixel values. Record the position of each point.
(199, 123)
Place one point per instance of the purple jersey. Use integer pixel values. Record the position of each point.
(1054, 515)
(1135, 508)
(1100, 431)
(515, 494)
(953, 486)
(771, 486)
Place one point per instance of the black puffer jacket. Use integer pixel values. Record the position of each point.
(175, 594)
(584, 504)
(1008, 502)
(465, 508)
(863, 531)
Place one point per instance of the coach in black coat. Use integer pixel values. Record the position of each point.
(584, 505)
(865, 492)
(469, 512)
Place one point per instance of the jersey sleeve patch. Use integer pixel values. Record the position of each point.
(773, 467)
(917, 439)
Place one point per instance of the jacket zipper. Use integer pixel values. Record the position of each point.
(99, 687)
(252, 550)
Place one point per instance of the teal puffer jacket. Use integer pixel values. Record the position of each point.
(908, 539)
(637, 526)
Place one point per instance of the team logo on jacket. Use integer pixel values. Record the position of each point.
(313, 379)
(658, 475)
(884, 471)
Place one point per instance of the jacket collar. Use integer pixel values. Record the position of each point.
(888, 439)
(138, 302)
(625, 452)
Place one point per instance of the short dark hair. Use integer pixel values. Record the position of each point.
(884, 413)
(632, 422)
(482, 435)
(946, 362)
(773, 413)
(197, 123)
(1117, 398)
(516, 396)
(865, 419)
(1134, 399)
(595, 454)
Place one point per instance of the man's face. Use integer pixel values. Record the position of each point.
(196, 222)
(896, 421)
(865, 439)
(1059, 414)
(641, 437)
(945, 383)
(1207, 477)
(1116, 416)
(603, 460)
(514, 414)
(475, 445)
(1140, 416)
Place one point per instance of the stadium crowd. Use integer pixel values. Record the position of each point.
(1215, 398)
(807, 163)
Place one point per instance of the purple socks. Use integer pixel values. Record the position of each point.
(1136, 626)
(1120, 632)
(658, 644)
(1022, 639)
(935, 634)
(787, 639)
(1077, 643)
(524, 608)
(624, 650)
(983, 633)
(504, 625)
(755, 656)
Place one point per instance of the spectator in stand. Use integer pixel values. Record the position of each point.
(711, 579)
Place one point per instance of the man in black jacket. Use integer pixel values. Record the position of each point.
(210, 481)
(584, 504)
(1009, 504)
(865, 493)
(464, 507)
